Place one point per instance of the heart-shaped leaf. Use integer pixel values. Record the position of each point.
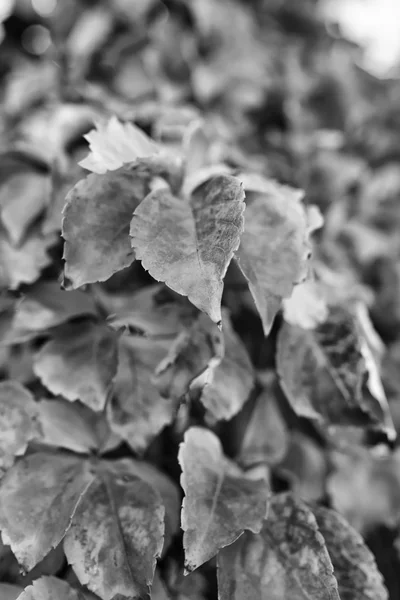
(189, 243)
(220, 500)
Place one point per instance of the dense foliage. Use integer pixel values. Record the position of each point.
(199, 305)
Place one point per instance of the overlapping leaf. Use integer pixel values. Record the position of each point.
(9, 591)
(74, 427)
(38, 497)
(96, 223)
(46, 305)
(18, 425)
(153, 311)
(354, 564)
(274, 247)
(193, 351)
(79, 362)
(287, 559)
(324, 372)
(23, 197)
(111, 515)
(113, 144)
(137, 411)
(266, 438)
(24, 263)
(220, 501)
(230, 382)
(189, 243)
(50, 588)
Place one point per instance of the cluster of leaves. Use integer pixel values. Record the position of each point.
(199, 306)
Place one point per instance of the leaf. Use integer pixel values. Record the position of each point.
(79, 363)
(18, 412)
(230, 382)
(9, 591)
(38, 497)
(189, 243)
(324, 372)
(22, 198)
(193, 351)
(23, 264)
(306, 467)
(137, 411)
(116, 535)
(354, 564)
(44, 306)
(220, 501)
(73, 427)
(96, 220)
(287, 559)
(109, 513)
(113, 144)
(365, 488)
(266, 438)
(274, 248)
(50, 588)
(153, 311)
(306, 307)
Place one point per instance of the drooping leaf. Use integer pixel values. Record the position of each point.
(220, 501)
(79, 362)
(274, 248)
(18, 412)
(137, 411)
(96, 221)
(46, 305)
(230, 382)
(287, 559)
(23, 264)
(38, 497)
(116, 535)
(324, 372)
(113, 144)
(189, 243)
(9, 591)
(194, 350)
(50, 588)
(354, 564)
